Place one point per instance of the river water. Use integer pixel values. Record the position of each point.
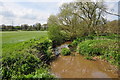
(75, 66)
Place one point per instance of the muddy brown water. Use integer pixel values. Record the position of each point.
(75, 66)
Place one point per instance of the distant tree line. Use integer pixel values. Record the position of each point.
(24, 27)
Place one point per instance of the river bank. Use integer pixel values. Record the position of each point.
(76, 66)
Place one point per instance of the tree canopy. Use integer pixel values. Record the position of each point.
(80, 18)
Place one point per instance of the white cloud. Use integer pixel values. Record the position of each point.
(56, 0)
(35, 0)
(20, 15)
(60, 2)
(96, 0)
(10, 11)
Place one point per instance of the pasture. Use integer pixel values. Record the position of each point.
(12, 41)
(20, 36)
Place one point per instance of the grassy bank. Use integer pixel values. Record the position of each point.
(28, 58)
(106, 47)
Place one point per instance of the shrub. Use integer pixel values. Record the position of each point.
(39, 73)
(74, 43)
(92, 37)
(88, 58)
(65, 51)
(42, 73)
(20, 63)
(109, 49)
(55, 34)
(80, 39)
(45, 49)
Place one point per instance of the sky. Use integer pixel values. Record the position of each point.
(19, 12)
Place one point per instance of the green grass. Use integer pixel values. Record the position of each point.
(19, 36)
(12, 40)
(20, 54)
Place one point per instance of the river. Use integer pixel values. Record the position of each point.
(75, 66)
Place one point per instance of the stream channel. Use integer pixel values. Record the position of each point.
(75, 66)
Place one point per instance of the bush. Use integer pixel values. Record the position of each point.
(88, 58)
(65, 51)
(80, 39)
(107, 48)
(55, 34)
(45, 49)
(74, 43)
(39, 73)
(19, 64)
(93, 37)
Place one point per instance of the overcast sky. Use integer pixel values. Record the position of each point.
(33, 11)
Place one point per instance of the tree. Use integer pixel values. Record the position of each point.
(70, 23)
(91, 13)
(112, 27)
(38, 26)
(45, 26)
(81, 18)
(29, 28)
(17, 27)
(78, 18)
(54, 33)
(24, 26)
(3, 27)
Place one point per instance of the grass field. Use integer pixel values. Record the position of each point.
(19, 36)
(12, 41)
